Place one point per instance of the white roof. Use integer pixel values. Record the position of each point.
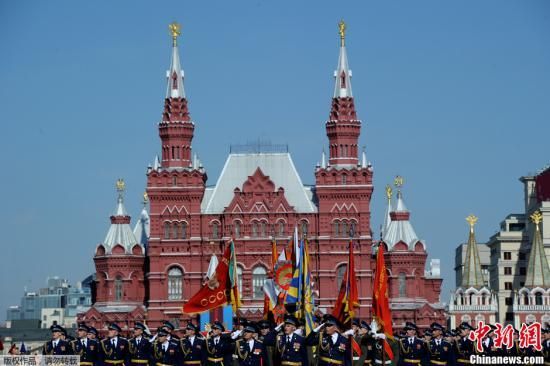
(400, 230)
(238, 167)
(120, 233)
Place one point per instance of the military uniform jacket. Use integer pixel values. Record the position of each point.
(379, 354)
(441, 354)
(193, 354)
(546, 351)
(411, 353)
(170, 356)
(219, 354)
(250, 356)
(330, 353)
(62, 348)
(89, 354)
(463, 349)
(292, 353)
(108, 352)
(139, 350)
(367, 351)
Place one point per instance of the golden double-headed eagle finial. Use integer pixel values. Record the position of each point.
(342, 31)
(120, 185)
(472, 220)
(398, 181)
(536, 217)
(145, 197)
(175, 31)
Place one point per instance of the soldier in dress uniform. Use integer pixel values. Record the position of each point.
(439, 350)
(193, 347)
(93, 334)
(265, 329)
(218, 347)
(463, 348)
(165, 352)
(546, 345)
(411, 348)
(87, 349)
(333, 349)
(290, 347)
(169, 328)
(113, 350)
(366, 342)
(139, 346)
(249, 351)
(57, 345)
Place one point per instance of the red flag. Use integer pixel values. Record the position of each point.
(348, 297)
(214, 292)
(356, 347)
(380, 300)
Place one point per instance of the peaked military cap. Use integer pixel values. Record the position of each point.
(83, 326)
(218, 325)
(168, 325)
(141, 326)
(410, 326)
(436, 326)
(250, 327)
(114, 326)
(56, 328)
(365, 325)
(290, 319)
(92, 330)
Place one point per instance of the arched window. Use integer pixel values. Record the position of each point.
(304, 227)
(166, 230)
(175, 230)
(538, 298)
(402, 284)
(483, 298)
(525, 299)
(183, 230)
(352, 228)
(215, 230)
(335, 228)
(237, 229)
(118, 288)
(174, 179)
(281, 228)
(175, 283)
(240, 279)
(254, 229)
(340, 273)
(344, 179)
(263, 229)
(345, 230)
(258, 280)
(471, 299)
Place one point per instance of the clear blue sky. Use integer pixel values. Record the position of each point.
(454, 96)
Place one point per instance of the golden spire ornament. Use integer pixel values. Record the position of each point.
(536, 217)
(120, 185)
(472, 220)
(342, 31)
(175, 31)
(145, 198)
(398, 182)
(389, 192)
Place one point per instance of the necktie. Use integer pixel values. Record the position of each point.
(288, 339)
(113, 342)
(83, 343)
(410, 341)
(164, 347)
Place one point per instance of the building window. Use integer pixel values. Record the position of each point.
(521, 256)
(166, 230)
(254, 229)
(237, 229)
(281, 228)
(509, 300)
(525, 299)
(304, 228)
(118, 288)
(175, 230)
(508, 271)
(175, 284)
(402, 284)
(508, 285)
(507, 256)
(352, 228)
(258, 280)
(344, 179)
(183, 230)
(335, 228)
(340, 273)
(522, 271)
(263, 229)
(538, 298)
(215, 230)
(240, 279)
(345, 230)
(174, 181)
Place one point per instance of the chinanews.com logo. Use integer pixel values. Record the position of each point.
(524, 347)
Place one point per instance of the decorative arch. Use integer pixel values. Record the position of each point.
(175, 283)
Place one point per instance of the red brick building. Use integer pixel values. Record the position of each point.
(258, 194)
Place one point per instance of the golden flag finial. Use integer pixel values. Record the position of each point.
(536, 217)
(120, 185)
(145, 197)
(342, 31)
(175, 31)
(389, 192)
(472, 220)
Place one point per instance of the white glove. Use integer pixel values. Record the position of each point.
(236, 334)
(348, 332)
(299, 332)
(319, 328)
(279, 327)
(379, 336)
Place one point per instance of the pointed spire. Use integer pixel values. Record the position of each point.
(472, 276)
(342, 87)
(364, 162)
(142, 228)
(175, 75)
(120, 209)
(323, 160)
(387, 218)
(400, 204)
(538, 271)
